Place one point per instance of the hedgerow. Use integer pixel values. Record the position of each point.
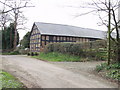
(95, 50)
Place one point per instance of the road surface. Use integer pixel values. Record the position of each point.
(40, 74)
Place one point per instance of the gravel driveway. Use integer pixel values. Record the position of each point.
(39, 74)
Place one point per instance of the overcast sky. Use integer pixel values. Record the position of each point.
(59, 12)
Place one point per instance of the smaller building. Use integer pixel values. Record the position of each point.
(45, 33)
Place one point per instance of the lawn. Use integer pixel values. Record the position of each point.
(54, 56)
(9, 81)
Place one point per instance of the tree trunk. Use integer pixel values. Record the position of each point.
(11, 43)
(109, 27)
(15, 39)
(15, 28)
(118, 53)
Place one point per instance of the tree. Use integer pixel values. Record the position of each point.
(8, 38)
(110, 10)
(25, 42)
(15, 7)
(4, 17)
(0, 40)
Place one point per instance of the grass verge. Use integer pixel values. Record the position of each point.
(54, 56)
(112, 71)
(9, 81)
(11, 53)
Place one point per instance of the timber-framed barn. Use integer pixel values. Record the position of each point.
(45, 33)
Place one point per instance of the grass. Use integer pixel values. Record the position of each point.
(54, 56)
(11, 53)
(9, 81)
(112, 71)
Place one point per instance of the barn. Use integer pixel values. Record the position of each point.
(45, 33)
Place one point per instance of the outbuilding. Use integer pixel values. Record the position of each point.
(45, 33)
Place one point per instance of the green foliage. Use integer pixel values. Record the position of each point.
(11, 53)
(55, 56)
(32, 54)
(69, 48)
(115, 74)
(36, 54)
(83, 50)
(8, 81)
(112, 70)
(8, 38)
(25, 42)
(101, 67)
(14, 53)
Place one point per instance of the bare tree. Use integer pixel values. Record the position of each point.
(109, 19)
(4, 17)
(15, 10)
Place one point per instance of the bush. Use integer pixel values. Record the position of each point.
(14, 53)
(24, 51)
(115, 74)
(32, 54)
(111, 71)
(101, 67)
(28, 54)
(85, 50)
(36, 54)
(69, 48)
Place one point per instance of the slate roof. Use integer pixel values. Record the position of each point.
(67, 30)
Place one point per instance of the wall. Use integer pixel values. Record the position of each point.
(46, 39)
(35, 40)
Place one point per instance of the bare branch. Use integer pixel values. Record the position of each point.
(85, 13)
(6, 4)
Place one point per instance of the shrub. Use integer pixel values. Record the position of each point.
(111, 71)
(69, 48)
(28, 54)
(93, 50)
(32, 54)
(101, 67)
(24, 51)
(14, 53)
(36, 54)
(115, 74)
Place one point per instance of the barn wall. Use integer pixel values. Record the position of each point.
(46, 39)
(35, 40)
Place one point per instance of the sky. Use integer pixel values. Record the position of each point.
(60, 12)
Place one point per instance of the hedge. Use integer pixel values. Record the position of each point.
(95, 50)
